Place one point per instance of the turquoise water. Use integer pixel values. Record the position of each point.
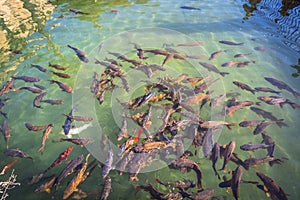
(40, 31)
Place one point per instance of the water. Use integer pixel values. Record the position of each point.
(42, 31)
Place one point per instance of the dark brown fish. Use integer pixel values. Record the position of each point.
(46, 133)
(253, 147)
(228, 153)
(236, 180)
(63, 86)
(276, 100)
(244, 86)
(31, 89)
(267, 115)
(245, 63)
(61, 75)
(106, 188)
(80, 54)
(282, 86)
(58, 67)
(53, 101)
(42, 69)
(268, 141)
(77, 11)
(77, 141)
(230, 42)
(33, 127)
(15, 51)
(6, 132)
(257, 161)
(39, 86)
(272, 187)
(17, 153)
(266, 89)
(37, 99)
(214, 55)
(215, 157)
(249, 123)
(241, 55)
(30, 79)
(7, 87)
(263, 125)
(212, 68)
(79, 118)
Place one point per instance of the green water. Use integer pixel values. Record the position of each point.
(44, 34)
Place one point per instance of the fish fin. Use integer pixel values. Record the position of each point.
(224, 73)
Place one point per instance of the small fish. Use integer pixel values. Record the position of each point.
(168, 58)
(33, 127)
(80, 54)
(113, 61)
(6, 132)
(261, 127)
(261, 48)
(8, 166)
(149, 188)
(266, 89)
(123, 129)
(106, 188)
(189, 8)
(77, 11)
(253, 147)
(267, 115)
(245, 63)
(62, 156)
(256, 161)
(241, 55)
(230, 43)
(276, 100)
(268, 141)
(249, 123)
(214, 55)
(207, 144)
(244, 86)
(210, 124)
(15, 51)
(271, 187)
(230, 63)
(79, 118)
(76, 131)
(30, 79)
(63, 86)
(46, 186)
(228, 153)
(42, 69)
(180, 184)
(77, 141)
(236, 180)
(7, 87)
(61, 75)
(58, 67)
(53, 101)
(46, 133)
(108, 162)
(213, 68)
(37, 99)
(17, 153)
(31, 89)
(39, 86)
(282, 86)
(189, 44)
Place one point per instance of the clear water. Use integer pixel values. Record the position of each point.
(40, 31)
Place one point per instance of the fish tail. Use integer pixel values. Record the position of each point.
(294, 105)
(257, 103)
(70, 46)
(229, 125)
(224, 73)
(253, 91)
(296, 94)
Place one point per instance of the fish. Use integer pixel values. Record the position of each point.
(180, 184)
(263, 125)
(31, 89)
(79, 118)
(61, 75)
(190, 8)
(231, 43)
(123, 129)
(214, 55)
(6, 132)
(256, 161)
(282, 86)
(61, 157)
(77, 11)
(37, 99)
(272, 187)
(236, 180)
(34, 127)
(215, 157)
(30, 79)
(267, 115)
(76, 131)
(46, 186)
(244, 86)
(46, 133)
(80, 54)
(15, 51)
(276, 100)
(53, 101)
(189, 44)
(77, 179)
(108, 162)
(8, 166)
(213, 68)
(39, 86)
(228, 153)
(40, 68)
(7, 87)
(17, 153)
(241, 55)
(210, 124)
(57, 66)
(63, 86)
(207, 144)
(106, 188)
(266, 89)
(77, 141)
(245, 63)
(68, 169)
(68, 122)
(204, 194)
(249, 123)
(113, 61)
(253, 147)
(268, 141)
(149, 188)
(230, 64)
(261, 48)
(149, 146)
(168, 58)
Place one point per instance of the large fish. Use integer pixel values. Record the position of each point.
(46, 133)
(17, 153)
(268, 141)
(30, 79)
(38, 99)
(228, 153)
(208, 144)
(282, 86)
(272, 187)
(261, 127)
(76, 131)
(267, 115)
(266, 89)
(236, 180)
(212, 68)
(33, 127)
(81, 54)
(63, 86)
(6, 132)
(244, 86)
(276, 100)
